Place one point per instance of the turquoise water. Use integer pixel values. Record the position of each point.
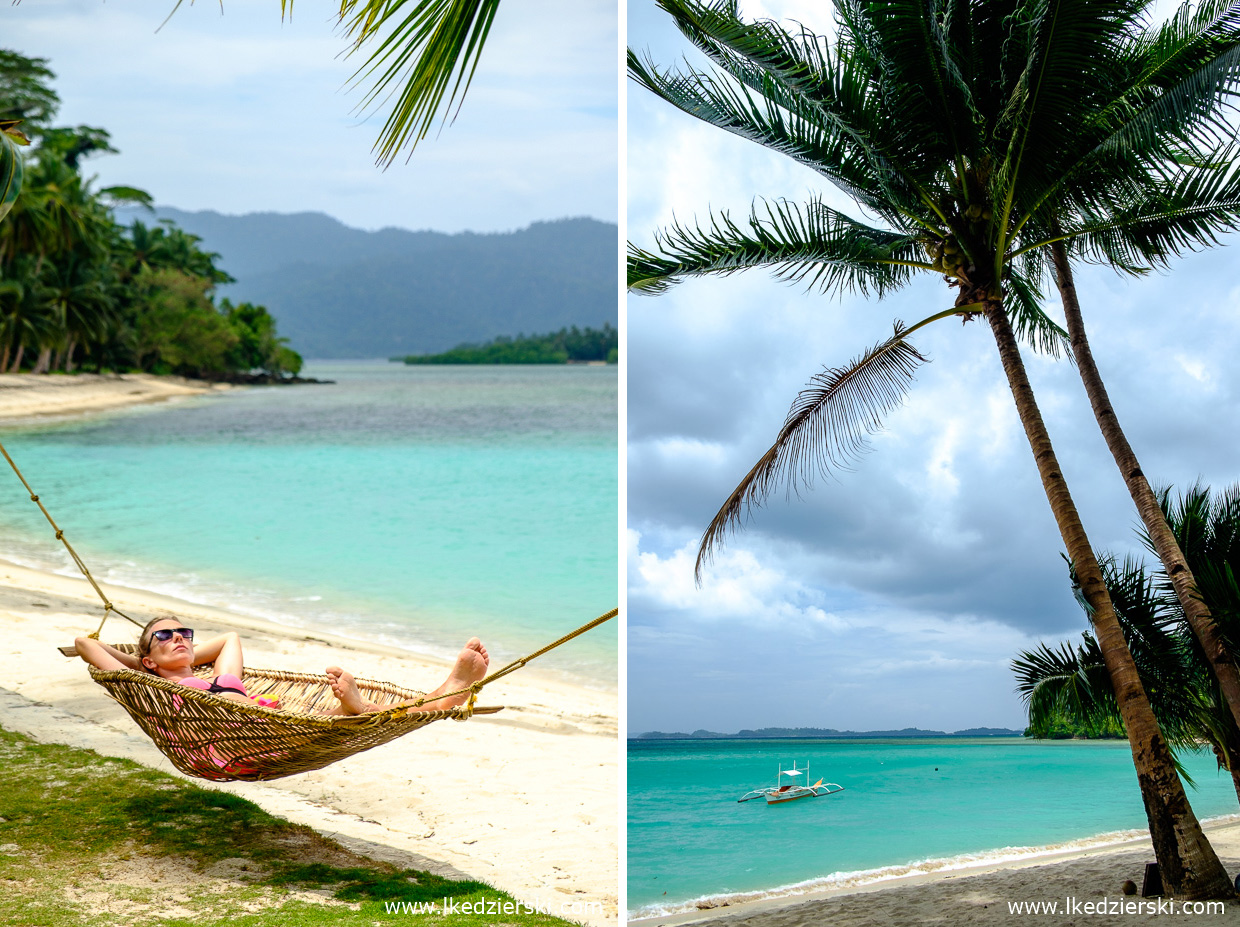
(904, 802)
(412, 505)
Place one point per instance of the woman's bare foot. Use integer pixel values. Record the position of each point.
(345, 688)
(471, 665)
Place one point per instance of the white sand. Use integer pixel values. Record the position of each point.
(980, 896)
(23, 395)
(526, 800)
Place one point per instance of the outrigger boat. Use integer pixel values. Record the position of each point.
(790, 791)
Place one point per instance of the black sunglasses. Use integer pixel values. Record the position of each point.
(165, 634)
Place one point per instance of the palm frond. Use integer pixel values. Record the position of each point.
(925, 97)
(1171, 94)
(1030, 322)
(1151, 624)
(826, 428)
(1187, 212)
(1207, 527)
(815, 244)
(1062, 41)
(781, 123)
(799, 73)
(419, 49)
(1057, 683)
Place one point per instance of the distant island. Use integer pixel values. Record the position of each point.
(827, 733)
(567, 346)
(339, 292)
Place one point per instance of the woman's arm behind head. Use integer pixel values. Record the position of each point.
(103, 657)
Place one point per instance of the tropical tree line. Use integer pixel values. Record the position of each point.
(568, 345)
(1063, 726)
(992, 143)
(78, 290)
(1067, 687)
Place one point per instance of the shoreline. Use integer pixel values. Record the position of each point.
(473, 798)
(25, 396)
(245, 616)
(753, 906)
(33, 400)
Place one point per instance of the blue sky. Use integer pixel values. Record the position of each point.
(895, 594)
(239, 112)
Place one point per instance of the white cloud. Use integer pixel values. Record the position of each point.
(1195, 367)
(735, 587)
(242, 113)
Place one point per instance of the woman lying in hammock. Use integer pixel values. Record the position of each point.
(166, 649)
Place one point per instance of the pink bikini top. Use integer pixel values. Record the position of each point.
(225, 682)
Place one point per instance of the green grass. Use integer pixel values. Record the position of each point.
(93, 840)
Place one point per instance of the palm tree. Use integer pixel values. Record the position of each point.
(78, 296)
(1062, 682)
(26, 318)
(1189, 67)
(1219, 656)
(63, 226)
(26, 94)
(957, 148)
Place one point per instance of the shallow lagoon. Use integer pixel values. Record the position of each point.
(413, 505)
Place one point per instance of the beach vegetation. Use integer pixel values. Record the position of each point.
(1067, 686)
(567, 346)
(1092, 129)
(93, 840)
(79, 290)
(1064, 727)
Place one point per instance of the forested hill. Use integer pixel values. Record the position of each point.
(340, 292)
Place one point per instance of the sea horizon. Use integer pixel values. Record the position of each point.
(909, 806)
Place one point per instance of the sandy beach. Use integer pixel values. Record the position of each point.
(525, 800)
(24, 395)
(1084, 884)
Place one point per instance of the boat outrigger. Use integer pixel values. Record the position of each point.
(789, 791)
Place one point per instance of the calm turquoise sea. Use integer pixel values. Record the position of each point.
(412, 505)
(906, 806)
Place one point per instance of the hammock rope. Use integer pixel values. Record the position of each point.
(108, 607)
(517, 664)
(211, 737)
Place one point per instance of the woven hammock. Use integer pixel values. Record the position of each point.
(210, 737)
(222, 739)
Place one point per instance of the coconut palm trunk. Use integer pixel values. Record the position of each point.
(1222, 663)
(44, 361)
(1188, 864)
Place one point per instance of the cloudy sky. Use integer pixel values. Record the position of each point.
(239, 112)
(895, 594)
